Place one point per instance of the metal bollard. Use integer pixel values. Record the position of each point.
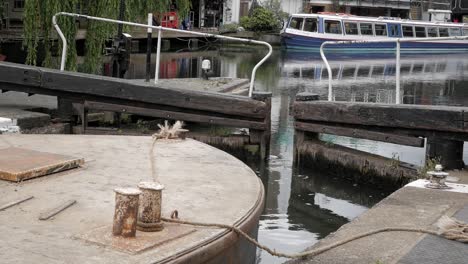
(149, 215)
(437, 178)
(126, 212)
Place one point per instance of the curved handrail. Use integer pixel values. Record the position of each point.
(159, 28)
(398, 41)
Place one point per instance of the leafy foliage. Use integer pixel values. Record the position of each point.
(261, 20)
(38, 26)
(275, 7)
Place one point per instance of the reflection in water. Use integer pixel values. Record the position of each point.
(424, 80)
(304, 206)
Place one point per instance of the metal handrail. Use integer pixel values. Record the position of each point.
(160, 29)
(397, 51)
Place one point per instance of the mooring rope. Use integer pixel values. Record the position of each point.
(458, 231)
(165, 132)
(449, 228)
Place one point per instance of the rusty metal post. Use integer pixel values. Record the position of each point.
(149, 212)
(126, 212)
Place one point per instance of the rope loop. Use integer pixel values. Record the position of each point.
(450, 229)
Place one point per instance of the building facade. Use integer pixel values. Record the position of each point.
(459, 10)
(11, 14)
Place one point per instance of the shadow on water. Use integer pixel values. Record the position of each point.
(303, 206)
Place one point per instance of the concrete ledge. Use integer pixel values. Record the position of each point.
(25, 119)
(408, 207)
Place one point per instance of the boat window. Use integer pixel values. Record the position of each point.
(348, 72)
(443, 32)
(465, 31)
(380, 30)
(351, 28)
(366, 29)
(363, 71)
(420, 32)
(310, 25)
(407, 31)
(405, 68)
(296, 23)
(432, 32)
(417, 68)
(333, 26)
(454, 31)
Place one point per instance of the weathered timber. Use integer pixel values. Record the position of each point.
(227, 120)
(263, 136)
(449, 153)
(80, 86)
(340, 130)
(440, 118)
(65, 109)
(461, 136)
(305, 96)
(352, 163)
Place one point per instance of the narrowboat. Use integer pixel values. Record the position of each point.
(309, 31)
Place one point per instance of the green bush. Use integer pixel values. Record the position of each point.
(229, 28)
(261, 20)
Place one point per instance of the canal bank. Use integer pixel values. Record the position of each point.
(194, 187)
(411, 207)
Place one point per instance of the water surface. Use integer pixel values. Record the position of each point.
(303, 206)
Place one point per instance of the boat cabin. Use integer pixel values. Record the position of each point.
(355, 26)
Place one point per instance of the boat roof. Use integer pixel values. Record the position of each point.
(349, 17)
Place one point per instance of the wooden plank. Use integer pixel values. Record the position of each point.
(79, 83)
(23, 164)
(459, 136)
(441, 118)
(9, 73)
(360, 133)
(227, 121)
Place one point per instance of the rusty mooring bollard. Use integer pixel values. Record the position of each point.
(149, 215)
(126, 212)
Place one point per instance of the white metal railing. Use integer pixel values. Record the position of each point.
(158, 50)
(398, 41)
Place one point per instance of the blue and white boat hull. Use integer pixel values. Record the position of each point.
(298, 42)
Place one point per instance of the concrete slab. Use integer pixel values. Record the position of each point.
(458, 176)
(203, 183)
(410, 207)
(436, 250)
